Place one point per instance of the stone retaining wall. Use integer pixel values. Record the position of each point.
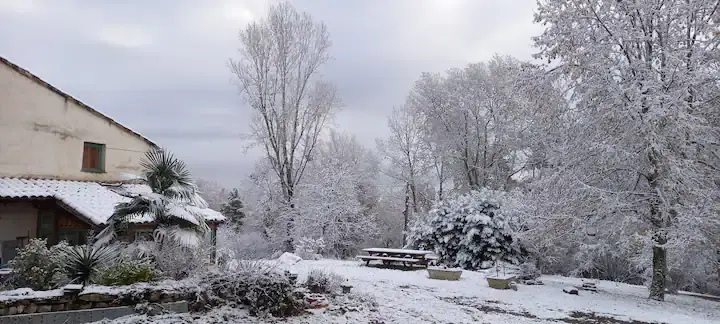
(75, 301)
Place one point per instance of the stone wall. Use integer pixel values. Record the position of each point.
(74, 301)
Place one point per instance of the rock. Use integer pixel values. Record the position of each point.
(20, 309)
(513, 286)
(571, 290)
(85, 306)
(30, 309)
(155, 296)
(3, 311)
(46, 308)
(57, 307)
(101, 305)
(12, 310)
(25, 302)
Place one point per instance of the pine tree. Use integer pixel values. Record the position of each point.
(233, 209)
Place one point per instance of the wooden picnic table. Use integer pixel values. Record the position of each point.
(406, 257)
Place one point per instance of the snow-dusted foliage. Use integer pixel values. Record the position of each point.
(477, 121)
(212, 192)
(37, 266)
(469, 231)
(637, 156)
(233, 208)
(337, 200)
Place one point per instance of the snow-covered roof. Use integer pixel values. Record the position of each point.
(95, 201)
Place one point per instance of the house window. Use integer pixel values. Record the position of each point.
(74, 236)
(93, 157)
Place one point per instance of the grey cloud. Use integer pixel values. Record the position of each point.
(160, 67)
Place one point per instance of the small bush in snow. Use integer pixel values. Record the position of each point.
(323, 282)
(528, 271)
(127, 272)
(469, 231)
(255, 284)
(38, 267)
(177, 262)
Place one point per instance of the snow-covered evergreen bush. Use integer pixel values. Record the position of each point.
(234, 209)
(38, 267)
(469, 231)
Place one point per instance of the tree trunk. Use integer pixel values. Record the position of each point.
(657, 287)
(289, 244)
(406, 213)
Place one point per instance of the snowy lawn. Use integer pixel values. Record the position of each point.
(411, 297)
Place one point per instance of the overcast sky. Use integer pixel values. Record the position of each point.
(160, 66)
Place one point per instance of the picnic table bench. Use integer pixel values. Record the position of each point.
(406, 257)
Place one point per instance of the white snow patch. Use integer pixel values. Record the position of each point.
(411, 297)
(27, 293)
(289, 258)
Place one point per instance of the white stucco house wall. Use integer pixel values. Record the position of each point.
(63, 164)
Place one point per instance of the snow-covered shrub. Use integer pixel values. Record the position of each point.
(309, 248)
(323, 282)
(469, 231)
(177, 261)
(255, 284)
(127, 272)
(528, 271)
(84, 262)
(602, 261)
(38, 267)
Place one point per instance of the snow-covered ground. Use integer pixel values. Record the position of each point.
(411, 297)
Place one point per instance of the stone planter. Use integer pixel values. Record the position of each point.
(499, 282)
(444, 274)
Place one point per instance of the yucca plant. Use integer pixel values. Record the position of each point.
(85, 261)
(173, 205)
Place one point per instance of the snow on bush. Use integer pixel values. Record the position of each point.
(38, 267)
(127, 272)
(309, 248)
(323, 282)
(288, 258)
(256, 284)
(469, 231)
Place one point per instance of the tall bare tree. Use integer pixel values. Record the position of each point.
(277, 73)
(406, 152)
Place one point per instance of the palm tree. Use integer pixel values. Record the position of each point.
(173, 206)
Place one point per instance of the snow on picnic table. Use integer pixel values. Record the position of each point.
(411, 297)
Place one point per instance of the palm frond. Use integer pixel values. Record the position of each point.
(174, 204)
(84, 262)
(164, 171)
(185, 236)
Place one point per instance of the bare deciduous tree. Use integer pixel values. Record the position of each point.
(277, 72)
